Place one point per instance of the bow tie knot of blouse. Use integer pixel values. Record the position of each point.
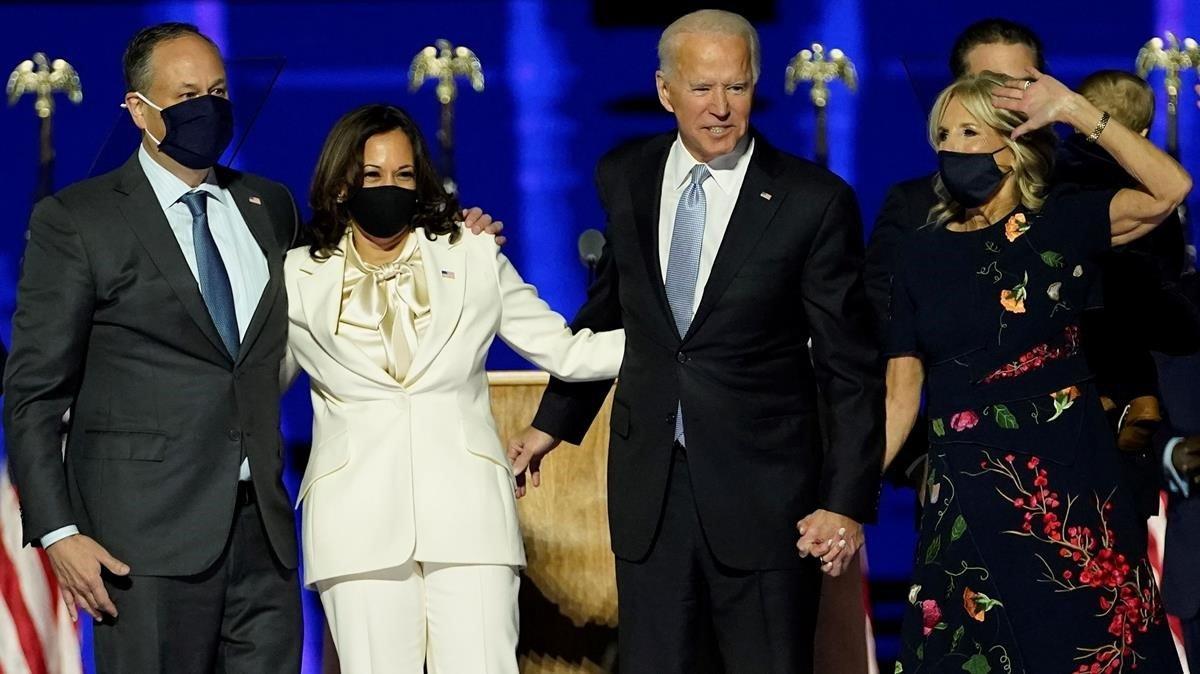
(389, 299)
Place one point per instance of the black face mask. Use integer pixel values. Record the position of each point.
(198, 130)
(383, 212)
(971, 178)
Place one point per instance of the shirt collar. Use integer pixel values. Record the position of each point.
(724, 169)
(168, 188)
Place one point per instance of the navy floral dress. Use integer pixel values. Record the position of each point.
(1031, 558)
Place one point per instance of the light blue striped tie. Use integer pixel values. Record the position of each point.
(683, 264)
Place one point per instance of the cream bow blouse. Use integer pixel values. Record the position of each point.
(385, 308)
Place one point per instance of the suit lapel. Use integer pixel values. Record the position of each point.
(445, 276)
(646, 189)
(320, 290)
(751, 215)
(259, 221)
(145, 217)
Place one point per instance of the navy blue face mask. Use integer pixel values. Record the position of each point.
(198, 130)
(971, 178)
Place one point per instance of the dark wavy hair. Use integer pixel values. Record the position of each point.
(339, 174)
(994, 31)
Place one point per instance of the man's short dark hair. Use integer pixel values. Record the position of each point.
(993, 31)
(141, 47)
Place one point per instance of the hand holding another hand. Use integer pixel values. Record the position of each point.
(832, 538)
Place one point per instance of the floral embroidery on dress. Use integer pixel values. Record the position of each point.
(1016, 226)
(1014, 300)
(1038, 356)
(1084, 560)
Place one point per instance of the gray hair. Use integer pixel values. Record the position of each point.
(713, 21)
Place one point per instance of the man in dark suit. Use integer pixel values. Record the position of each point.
(725, 257)
(1180, 455)
(151, 305)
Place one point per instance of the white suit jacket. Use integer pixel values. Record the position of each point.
(416, 470)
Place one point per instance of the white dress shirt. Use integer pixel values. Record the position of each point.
(244, 260)
(720, 194)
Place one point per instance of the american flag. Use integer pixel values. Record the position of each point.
(36, 633)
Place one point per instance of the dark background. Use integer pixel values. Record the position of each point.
(566, 80)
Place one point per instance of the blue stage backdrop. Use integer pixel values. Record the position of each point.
(561, 90)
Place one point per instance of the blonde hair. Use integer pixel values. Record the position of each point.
(1127, 97)
(713, 21)
(1033, 152)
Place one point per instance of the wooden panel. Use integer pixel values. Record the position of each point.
(568, 593)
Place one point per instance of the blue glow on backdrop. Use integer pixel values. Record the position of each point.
(560, 92)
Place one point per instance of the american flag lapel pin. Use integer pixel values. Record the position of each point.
(765, 195)
(446, 273)
(255, 200)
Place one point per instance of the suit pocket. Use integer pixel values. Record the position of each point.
(328, 456)
(619, 420)
(788, 434)
(124, 445)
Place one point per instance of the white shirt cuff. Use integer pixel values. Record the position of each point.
(1175, 483)
(59, 534)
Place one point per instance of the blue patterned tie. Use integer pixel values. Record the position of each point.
(214, 279)
(683, 264)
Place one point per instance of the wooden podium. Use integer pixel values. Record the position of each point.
(568, 592)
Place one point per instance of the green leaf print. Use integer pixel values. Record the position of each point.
(958, 635)
(1005, 418)
(931, 553)
(1052, 259)
(939, 428)
(978, 664)
(959, 528)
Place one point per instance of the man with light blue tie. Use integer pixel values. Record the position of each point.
(151, 305)
(725, 257)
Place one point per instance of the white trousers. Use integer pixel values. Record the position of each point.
(452, 618)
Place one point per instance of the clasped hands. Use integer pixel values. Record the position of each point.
(832, 538)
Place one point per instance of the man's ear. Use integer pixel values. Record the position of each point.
(660, 84)
(136, 108)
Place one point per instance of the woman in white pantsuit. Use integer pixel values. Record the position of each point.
(410, 529)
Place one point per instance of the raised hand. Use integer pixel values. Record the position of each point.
(832, 538)
(479, 222)
(77, 562)
(525, 453)
(1041, 98)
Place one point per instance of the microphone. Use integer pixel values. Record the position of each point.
(591, 244)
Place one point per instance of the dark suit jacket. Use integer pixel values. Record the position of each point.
(787, 270)
(110, 323)
(1179, 377)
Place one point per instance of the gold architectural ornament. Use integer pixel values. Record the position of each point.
(1171, 57)
(812, 66)
(445, 63)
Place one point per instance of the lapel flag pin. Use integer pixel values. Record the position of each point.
(447, 274)
(765, 195)
(256, 201)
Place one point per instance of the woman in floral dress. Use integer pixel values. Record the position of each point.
(1030, 557)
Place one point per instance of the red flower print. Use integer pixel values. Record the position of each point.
(964, 420)
(931, 616)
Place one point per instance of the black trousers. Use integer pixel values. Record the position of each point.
(682, 612)
(1191, 642)
(241, 615)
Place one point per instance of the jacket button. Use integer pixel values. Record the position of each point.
(682, 357)
(671, 419)
(235, 434)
